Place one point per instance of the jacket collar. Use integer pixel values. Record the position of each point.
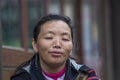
(36, 72)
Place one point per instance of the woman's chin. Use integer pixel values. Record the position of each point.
(57, 62)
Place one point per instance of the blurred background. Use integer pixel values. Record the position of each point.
(96, 26)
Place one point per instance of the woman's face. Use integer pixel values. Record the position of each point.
(54, 42)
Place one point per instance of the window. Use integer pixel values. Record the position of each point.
(54, 6)
(90, 17)
(35, 9)
(10, 22)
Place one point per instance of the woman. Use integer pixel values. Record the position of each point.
(52, 43)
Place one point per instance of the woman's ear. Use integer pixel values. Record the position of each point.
(34, 45)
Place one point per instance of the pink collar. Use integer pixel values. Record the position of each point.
(55, 75)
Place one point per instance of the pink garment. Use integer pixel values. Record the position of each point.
(55, 75)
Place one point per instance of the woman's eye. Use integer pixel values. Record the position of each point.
(49, 38)
(65, 39)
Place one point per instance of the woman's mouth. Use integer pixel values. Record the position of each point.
(56, 53)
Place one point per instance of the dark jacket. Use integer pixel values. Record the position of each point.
(31, 70)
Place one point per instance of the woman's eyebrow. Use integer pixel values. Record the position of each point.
(66, 33)
(49, 32)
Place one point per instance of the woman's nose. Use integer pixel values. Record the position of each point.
(57, 43)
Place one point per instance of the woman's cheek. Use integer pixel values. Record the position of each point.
(68, 48)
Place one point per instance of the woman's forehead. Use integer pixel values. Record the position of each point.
(58, 26)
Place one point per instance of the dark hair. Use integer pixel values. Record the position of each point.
(51, 17)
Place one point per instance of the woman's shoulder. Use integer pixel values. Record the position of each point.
(84, 72)
(22, 72)
(21, 75)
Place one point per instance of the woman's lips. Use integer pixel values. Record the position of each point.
(56, 53)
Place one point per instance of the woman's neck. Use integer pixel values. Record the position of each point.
(52, 68)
